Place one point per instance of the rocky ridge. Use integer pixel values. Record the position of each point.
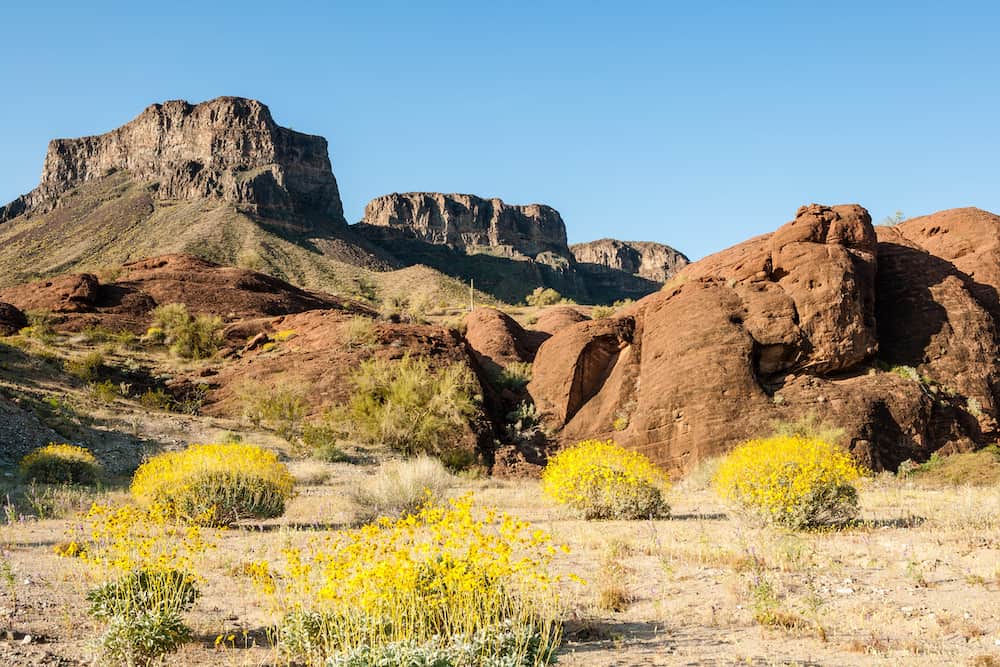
(228, 148)
(878, 332)
(647, 259)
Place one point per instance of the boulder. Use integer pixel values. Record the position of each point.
(12, 319)
(779, 327)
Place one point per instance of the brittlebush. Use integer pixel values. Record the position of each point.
(447, 580)
(60, 463)
(216, 484)
(146, 561)
(794, 481)
(603, 480)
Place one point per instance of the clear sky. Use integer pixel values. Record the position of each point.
(695, 124)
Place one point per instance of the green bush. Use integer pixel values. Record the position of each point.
(188, 337)
(409, 407)
(87, 368)
(280, 407)
(543, 296)
(61, 464)
(514, 376)
(142, 639)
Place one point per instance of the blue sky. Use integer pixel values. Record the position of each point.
(697, 125)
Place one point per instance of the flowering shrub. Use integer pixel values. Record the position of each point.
(447, 581)
(605, 481)
(216, 484)
(145, 559)
(59, 464)
(791, 480)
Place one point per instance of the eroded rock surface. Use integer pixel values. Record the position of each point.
(646, 259)
(228, 148)
(872, 333)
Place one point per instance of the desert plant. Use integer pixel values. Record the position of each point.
(155, 399)
(40, 326)
(790, 480)
(602, 480)
(514, 376)
(87, 368)
(810, 427)
(322, 441)
(401, 488)
(216, 484)
(282, 407)
(188, 337)
(61, 463)
(104, 392)
(145, 558)
(409, 407)
(462, 585)
(359, 331)
(543, 296)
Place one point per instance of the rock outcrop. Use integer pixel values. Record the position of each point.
(873, 334)
(80, 300)
(470, 223)
(646, 259)
(228, 148)
(12, 319)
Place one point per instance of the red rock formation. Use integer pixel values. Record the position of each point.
(12, 319)
(779, 327)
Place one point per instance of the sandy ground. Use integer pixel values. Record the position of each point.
(918, 583)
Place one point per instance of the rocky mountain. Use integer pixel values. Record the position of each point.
(223, 181)
(469, 223)
(889, 333)
(646, 259)
(506, 249)
(228, 149)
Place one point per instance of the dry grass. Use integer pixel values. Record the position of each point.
(401, 487)
(678, 591)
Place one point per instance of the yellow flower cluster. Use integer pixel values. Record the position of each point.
(792, 480)
(216, 484)
(447, 571)
(606, 481)
(58, 463)
(126, 538)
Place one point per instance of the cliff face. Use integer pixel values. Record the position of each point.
(468, 223)
(228, 148)
(646, 259)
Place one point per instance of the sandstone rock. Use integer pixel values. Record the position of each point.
(12, 320)
(497, 340)
(470, 223)
(779, 327)
(557, 318)
(653, 261)
(229, 292)
(228, 148)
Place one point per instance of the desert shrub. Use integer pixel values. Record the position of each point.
(603, 480)
(146, 559)
(809, 427)
(451, 583)
(155, 399)
(188, 337)
(978, 468)
(790, 480)
(401, 488)
(514, 376)
(87, 368)
(104, 392)
(40, 326)
(409, 407)
(599, 312)
(280, 407)
(61, 464)
(543, 296)
(322, 441)
(216, 484)
(359, 331)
